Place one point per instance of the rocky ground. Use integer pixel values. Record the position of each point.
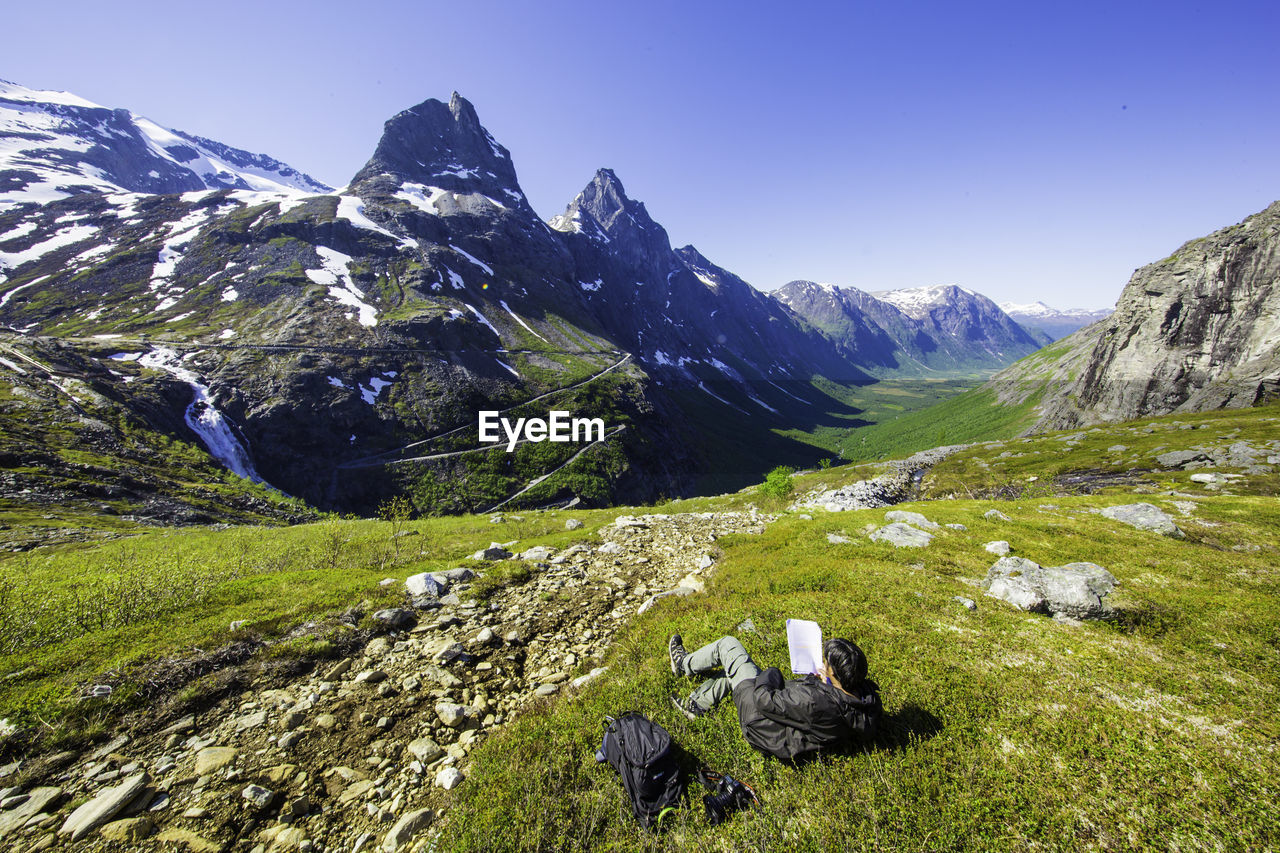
(355, 753)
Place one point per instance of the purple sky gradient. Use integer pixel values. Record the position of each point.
(1025, 150)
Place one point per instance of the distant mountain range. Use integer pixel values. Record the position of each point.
(338, 346)
(921, 331)
(1054, 323)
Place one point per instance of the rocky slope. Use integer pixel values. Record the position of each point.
(920, 331)
(55, 144)
(348, 753)
(1195, 331)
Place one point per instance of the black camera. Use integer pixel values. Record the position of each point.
(726, 797)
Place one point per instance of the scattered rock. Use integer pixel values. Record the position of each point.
(129, 830)
(495, 551)
(425, 749)
(424, 584)
(451, 714)
(999, 548)
(902, 536)
(966, 603)
(395, 619)
(1076, 590)
(406, 828)
(573, 524)
(449, 778)
(1180, 458)
(837, 539)
(995, 515)
(103, 807)
(258, 796)
(213, 758)
(1144, 516)
(913, 518)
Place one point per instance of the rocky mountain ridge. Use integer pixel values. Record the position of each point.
(55, 144)
(918, 331)
(1195, 331)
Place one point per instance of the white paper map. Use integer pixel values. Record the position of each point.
(804, 640)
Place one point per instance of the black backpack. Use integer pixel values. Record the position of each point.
(642, 753)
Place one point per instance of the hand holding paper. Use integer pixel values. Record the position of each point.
(804, 641)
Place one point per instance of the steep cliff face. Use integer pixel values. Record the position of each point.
(1198, 330)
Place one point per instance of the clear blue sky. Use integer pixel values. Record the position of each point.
(1026, 150)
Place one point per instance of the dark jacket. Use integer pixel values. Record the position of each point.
(794, 719)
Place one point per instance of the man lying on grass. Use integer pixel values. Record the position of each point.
(791, 720)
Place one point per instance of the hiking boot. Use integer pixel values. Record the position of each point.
(675, 650)
(688, 708)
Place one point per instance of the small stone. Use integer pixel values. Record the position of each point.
(837, 539)
(292, 720)
(395, 619)
(214, 758)
(425, 750)
(573, 524)
(288, 739)
(128, 831)
(451, 714)
(426, 585)
(405, 829)
(370, 676)
(913, 518)
(188, 841)
(966, 603)
(258, 796)
(902, 535)
(327, 721)
(1144, 516)
(995, 515)
(338, 670)
(251, 721)
(999, 548)
(280, 774)
(546, 689)
(103, 807)
(449, 778)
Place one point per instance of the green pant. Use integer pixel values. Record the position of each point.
(725, 654)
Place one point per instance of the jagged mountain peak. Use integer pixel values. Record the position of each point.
(441, 145)
(605, 213)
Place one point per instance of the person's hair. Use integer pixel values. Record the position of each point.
(846, 661)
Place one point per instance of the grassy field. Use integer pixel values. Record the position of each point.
(1004, 730)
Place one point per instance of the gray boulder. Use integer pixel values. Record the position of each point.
(495, 551)
(395, 619)
(573, 524)
(1178, 458)
(425, 585)
(103, 807)
(913, 518)
(1144, 516)
(1076, 590)
(995, 515)
(999, 548)
(902, 536)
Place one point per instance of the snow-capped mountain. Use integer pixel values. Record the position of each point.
(925, 330)
(55, 144)
(1055, 323)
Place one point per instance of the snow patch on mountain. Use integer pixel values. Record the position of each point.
(916, 301)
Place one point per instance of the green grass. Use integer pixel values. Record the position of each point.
(68, 615)
(1004, 730)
